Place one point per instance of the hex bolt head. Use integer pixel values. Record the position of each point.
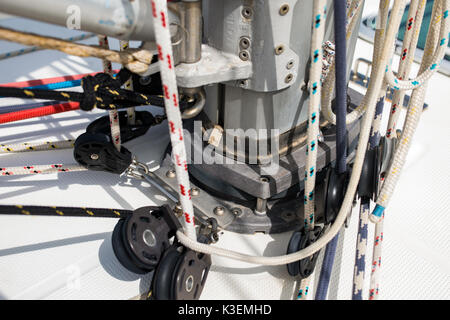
(279, 49)
(237, 212)
(284, 9)
(171, 173)
(195, 191)
(219, 210)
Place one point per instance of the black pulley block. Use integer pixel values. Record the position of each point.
(143, 121)
(140, 239)
(181, 275)
(368, 182)
(97, 152)
(300, 240)
(294, 246)
(146, 235)
(336, 187)
(308, 264)
(150, 85)
(120, 252)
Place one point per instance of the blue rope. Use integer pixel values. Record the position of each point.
(340, 16)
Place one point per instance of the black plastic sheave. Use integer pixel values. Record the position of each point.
(97, 152)
(140, 240)
(300, 240)
(368, 182)
(336, 188)
(143, 121)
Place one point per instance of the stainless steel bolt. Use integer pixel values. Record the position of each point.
(195, 191)
(171, 173)
(219, 210)
(279, 49)
(244, 55)
(289, 78)
(284, 9)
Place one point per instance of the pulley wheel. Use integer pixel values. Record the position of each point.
(162, 283)
(294, 246)
(120, 251)
(190, 276)
(307, 265)
(146, 237)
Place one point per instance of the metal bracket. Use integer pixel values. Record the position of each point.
(214, 67)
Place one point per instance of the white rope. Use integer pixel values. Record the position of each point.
(428, 70)
(375, 85)
(168, 77)
(40, 169)
(131, 114)
(414, 111)
(36, 146)
(411, 37)
(113, 114)
(315, 73)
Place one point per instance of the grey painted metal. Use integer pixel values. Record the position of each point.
(265, 100)
(281, 216)
(291, 167)
(214, 67)
(127, 20)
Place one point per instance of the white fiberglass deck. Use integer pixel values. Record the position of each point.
(72, 258)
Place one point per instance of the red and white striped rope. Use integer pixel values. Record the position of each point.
(113, 114)
(131, 114)
(170, 89)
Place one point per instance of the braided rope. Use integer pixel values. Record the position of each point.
(415, 109)
(315, 74)
(113, 114)
(36, 146)
(63, 211)
(41, 169)
(168, 77)
(136, 60)
(23, 51)
(131, 114)
(411, 37)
